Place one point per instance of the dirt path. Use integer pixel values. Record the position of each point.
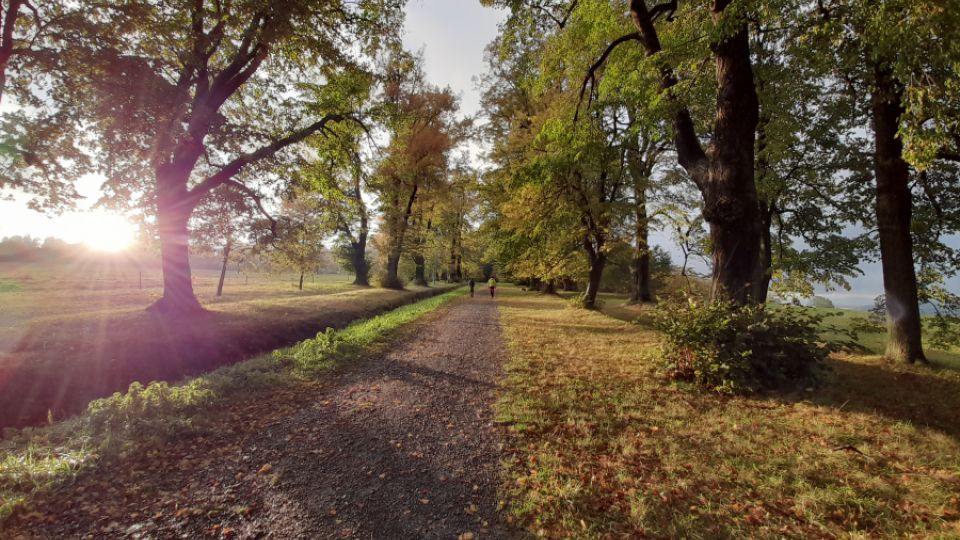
(401, 446)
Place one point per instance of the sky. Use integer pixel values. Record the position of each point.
(452, 35)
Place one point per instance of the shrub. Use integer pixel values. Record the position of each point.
(723, 348)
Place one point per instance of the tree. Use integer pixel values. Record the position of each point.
(221, 219)
(423, 130)
(890, 54)
(724, 173)
(300, 234)
(339, 175)
(197, 95)
(42, 147)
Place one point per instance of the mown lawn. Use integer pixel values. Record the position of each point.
(64, 343)
(601, 446)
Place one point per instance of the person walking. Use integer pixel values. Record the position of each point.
(472, 284)
(493, 285)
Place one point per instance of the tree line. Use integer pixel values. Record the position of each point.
(809, 136)
(272, 125)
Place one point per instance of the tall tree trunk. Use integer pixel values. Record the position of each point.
(420, 270)
(730, 197)
(724, 174)
(173, 215)
(894, 209)
(301, 280)
(392, 278)
(9, 21)
(223, 268)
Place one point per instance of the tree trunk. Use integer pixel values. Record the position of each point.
(724, 174)
(893, 221)
(764, 272)
(597, 262)
(420, 273)
(360, 268)
(301, 280)
(10, 17)
(551, 287)
(640, 266)
(223, 269)
(392, 278)
(569, 284)
(730, 197)
(173, 214)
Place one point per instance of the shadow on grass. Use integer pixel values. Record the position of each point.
(57, 367)
(915, 395)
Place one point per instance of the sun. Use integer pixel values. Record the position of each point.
(105, 232)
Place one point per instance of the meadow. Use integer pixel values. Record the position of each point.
(602, 444)
(73, 332)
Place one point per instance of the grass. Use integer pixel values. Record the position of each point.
(615, 305)
(601, 446)
(143, 417)
(68, 339)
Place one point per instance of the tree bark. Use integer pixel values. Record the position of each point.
(730, 198)
(724, 174)
(551, 287)
(392, 278)
(640, 266)
(10, 17)
(764, 272)
(301, 280)
(597, 263)
(420, 270)
(223, 268)
(894, 213)
(360, 268)
(173, 215)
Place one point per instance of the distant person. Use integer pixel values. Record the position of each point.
(472, 284)
(493, 286)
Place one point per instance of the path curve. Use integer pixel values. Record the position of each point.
(402, 446)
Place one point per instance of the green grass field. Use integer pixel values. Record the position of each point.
(71, 334)
(601, 445)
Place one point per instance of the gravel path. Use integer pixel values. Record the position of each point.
(401, 446)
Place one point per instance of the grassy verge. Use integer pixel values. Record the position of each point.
(34, 459)
(601, 446)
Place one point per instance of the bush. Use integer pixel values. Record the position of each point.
(719, 347)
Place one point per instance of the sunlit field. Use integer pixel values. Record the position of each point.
(31, 290)
(73, 332)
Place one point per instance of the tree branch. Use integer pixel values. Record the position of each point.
(256, 199)
(234, 167)
(591, 73)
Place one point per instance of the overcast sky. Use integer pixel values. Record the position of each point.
(452, 35)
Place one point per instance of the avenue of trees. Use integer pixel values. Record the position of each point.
(814, 135)
(783, 142)
(279, 128)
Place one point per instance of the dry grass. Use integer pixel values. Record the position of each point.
(603, 447)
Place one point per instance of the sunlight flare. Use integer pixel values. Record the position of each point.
(103, 231)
